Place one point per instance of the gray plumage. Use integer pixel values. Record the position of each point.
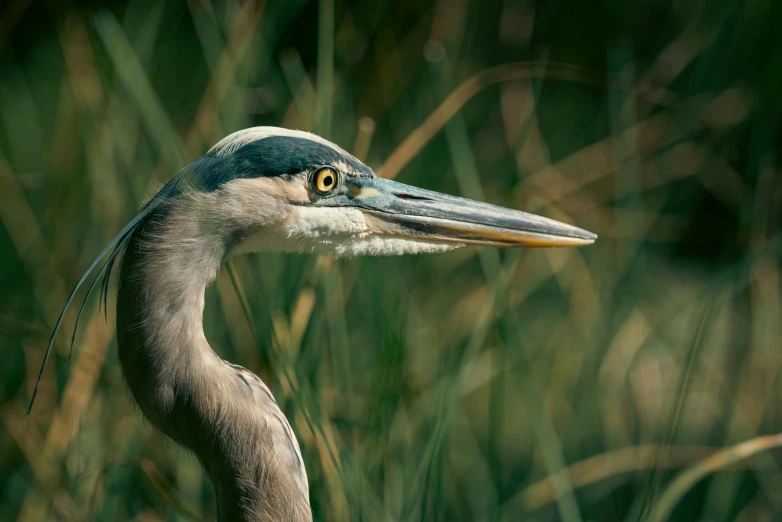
(263, 189)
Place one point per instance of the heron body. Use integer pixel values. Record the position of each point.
(265, 189)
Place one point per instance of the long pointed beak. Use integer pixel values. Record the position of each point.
(400, 210)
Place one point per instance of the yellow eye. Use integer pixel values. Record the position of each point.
(325, 180)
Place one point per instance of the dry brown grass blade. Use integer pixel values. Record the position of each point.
(238, 328)
(560, 182)
(76, 396)
(79, 388)
(80, 63)
(28, 440)
(568, 175)
(165, 489)
(300, 318)
(416, 140)
(366, 129)
(325, 441)
(627, 460)
(25, 232)
(720, 460)
(206, 124)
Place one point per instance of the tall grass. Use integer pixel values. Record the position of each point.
(638, 378)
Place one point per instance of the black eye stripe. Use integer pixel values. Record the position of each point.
(272, 156)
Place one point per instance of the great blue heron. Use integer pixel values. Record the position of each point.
(263, 189)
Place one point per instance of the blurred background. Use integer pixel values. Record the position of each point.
(635, 379)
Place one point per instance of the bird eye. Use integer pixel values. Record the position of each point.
(325, 180)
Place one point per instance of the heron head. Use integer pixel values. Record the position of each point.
(267, 188)
(296, 192)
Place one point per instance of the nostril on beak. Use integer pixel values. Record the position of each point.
(409, 196)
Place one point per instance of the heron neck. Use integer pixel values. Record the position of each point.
(184, 389)
(166, 268)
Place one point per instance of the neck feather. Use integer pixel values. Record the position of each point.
(165, 271)
(185, 390)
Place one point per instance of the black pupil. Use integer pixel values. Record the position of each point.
(327, 181)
